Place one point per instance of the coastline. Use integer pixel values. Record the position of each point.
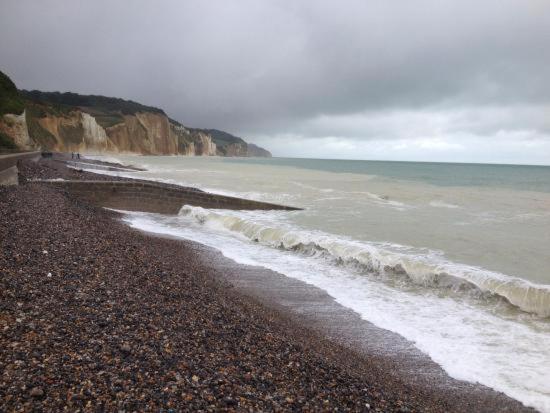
(217, 319)
(384, 358)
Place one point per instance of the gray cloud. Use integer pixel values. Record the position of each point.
(352, 70)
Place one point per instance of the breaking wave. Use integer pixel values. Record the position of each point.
(428, 269)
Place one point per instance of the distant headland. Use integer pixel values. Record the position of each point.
(70, 122)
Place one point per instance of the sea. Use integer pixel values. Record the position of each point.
(453, 257)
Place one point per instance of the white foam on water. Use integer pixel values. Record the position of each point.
(397, 252)
(384, 200)
(471, 337)
(442, 204)
(428, 269)
(104, 158)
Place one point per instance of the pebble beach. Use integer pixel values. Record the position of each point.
(96, 316)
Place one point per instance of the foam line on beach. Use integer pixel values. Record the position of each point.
(429, 270)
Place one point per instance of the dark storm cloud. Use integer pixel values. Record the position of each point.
(275, 67)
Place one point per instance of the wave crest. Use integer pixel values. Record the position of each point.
(427, 269)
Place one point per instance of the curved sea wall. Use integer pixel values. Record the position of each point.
(151, 197)
(8, 166)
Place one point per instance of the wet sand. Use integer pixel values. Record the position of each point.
(97, 316)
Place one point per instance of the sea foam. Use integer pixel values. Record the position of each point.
(470, 341)
(428, 269)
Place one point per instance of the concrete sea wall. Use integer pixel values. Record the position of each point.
(151, 197)
(8, 166)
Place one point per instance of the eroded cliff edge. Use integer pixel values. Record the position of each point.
(69, 122)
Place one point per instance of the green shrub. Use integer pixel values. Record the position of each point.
(106, 121)
(10, 100)
(220, 138)
(92, 103)
(6, 144)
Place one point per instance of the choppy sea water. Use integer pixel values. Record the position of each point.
(454, 257)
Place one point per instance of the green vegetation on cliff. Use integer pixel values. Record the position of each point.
(222, 138)
(107, 111)
(10, 100)
(6, 144)
(98, 103)
(54, 121)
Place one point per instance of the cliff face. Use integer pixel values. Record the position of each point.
(204, 145)
(74, 132)
(230, 145)
(192, 143)
(144, 133)
(68, 122)
(254, 150)
(236, 149)
(15, 127)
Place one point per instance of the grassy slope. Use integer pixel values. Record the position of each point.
(108, 111)
(6, 144)
(10, 100)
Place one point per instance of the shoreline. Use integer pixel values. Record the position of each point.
(365, 348)
(310, 371)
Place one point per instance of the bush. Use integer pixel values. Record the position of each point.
(10, 100)
(6, 144)
(103, 104)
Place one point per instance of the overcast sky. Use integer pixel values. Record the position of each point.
(406, 80)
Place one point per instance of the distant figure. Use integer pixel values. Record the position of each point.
(72, 155)
(78, 155)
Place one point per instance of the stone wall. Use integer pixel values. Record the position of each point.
(152, 197)
(8, 166)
